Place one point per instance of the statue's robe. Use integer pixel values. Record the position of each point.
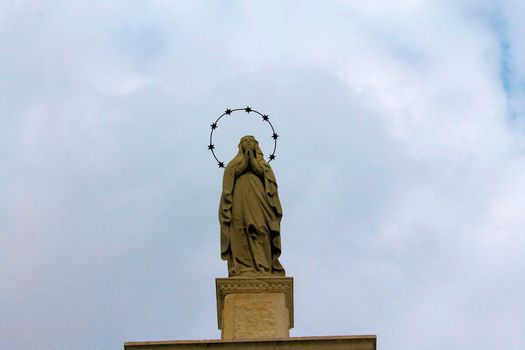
(250, 214)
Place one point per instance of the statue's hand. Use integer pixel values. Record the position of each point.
(249, 156)
(243, 166)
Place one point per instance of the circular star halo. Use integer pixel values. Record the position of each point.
(228, 112)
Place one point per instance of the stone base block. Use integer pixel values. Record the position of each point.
(255, 308)
(255, 316)
(363, 342)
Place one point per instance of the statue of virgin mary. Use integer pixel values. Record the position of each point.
(250, 214)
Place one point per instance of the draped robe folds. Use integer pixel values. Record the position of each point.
(250, 214)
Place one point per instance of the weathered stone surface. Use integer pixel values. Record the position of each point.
(255, 316)
(250, 214)
(255, 308)
(361, 342)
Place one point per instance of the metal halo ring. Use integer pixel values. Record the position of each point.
(247, 109)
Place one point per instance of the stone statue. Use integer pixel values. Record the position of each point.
(250, 214)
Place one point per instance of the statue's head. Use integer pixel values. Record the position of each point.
(248, 143)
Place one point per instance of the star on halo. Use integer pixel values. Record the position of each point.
(272, 156)
(275, 136)
(247, 109)
(221, 164)
(266, 118)
(228, 111)
(211, 147)
(213, 126)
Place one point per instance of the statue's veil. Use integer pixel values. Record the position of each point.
(238, 159)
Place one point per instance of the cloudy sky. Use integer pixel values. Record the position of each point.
(401, 166)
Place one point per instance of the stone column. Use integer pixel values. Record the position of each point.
(254, 308)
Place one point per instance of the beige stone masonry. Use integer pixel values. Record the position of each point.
(360, 342)
(254, 308)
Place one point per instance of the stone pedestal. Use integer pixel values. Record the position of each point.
(257, 314)
(254, 308)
